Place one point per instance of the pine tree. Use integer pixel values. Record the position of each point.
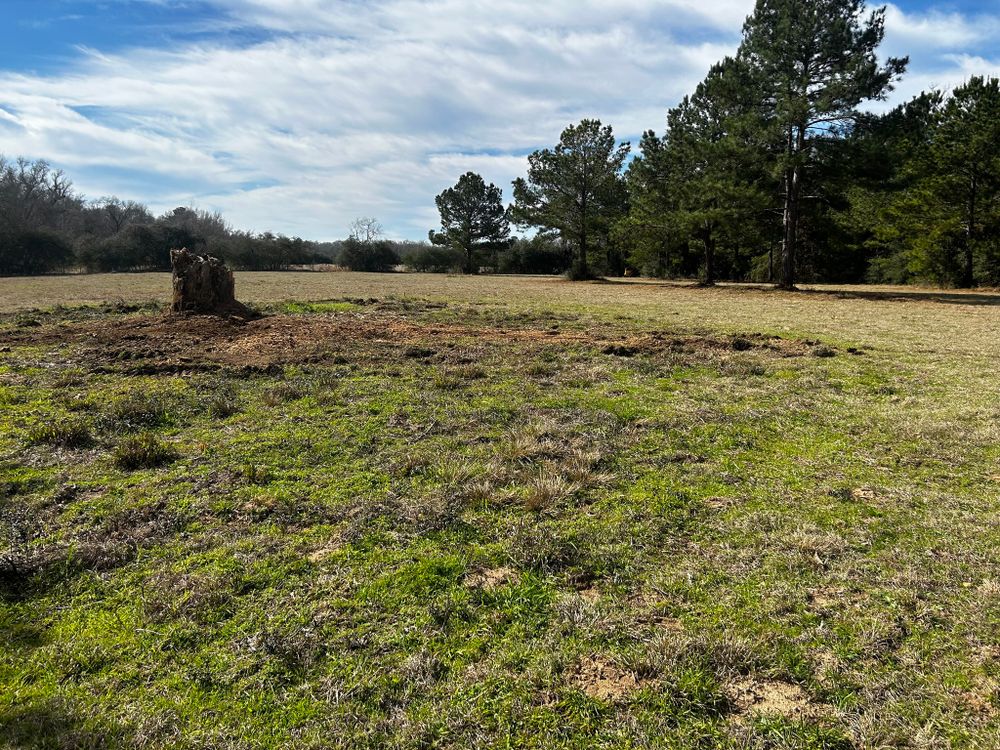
(648, 229)
(885, 157)
(933, 201)
(965, 169)
(473, 219)
(576, 188)
(814, 62)
(701, 181)
(711, 161)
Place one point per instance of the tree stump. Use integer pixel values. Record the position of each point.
(203, 285)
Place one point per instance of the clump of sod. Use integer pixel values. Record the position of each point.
(143, 451)
(65, 433)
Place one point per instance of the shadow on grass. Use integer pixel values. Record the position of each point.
(894, 294)
(53, 726)
(950, 298)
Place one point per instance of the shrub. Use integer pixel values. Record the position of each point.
(377, 256)
(542, 254)
(34, 252)
(434, 259)
(143, 451)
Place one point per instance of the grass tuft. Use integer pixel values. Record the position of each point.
(222, 403)
(70, 433)
(283, 393)
(134, 412)
(547, 490)
(143, 451)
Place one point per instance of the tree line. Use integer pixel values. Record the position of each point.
(770, 170)
(47, 227)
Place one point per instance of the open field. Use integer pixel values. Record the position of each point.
(427, 511)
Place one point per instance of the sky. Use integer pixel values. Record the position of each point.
(298, 116)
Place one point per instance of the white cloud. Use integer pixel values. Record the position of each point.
(371, 108)
(938, 30)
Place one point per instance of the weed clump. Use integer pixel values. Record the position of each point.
(222, 404)
(256, 474)
(283, 393)
(143, 451)
(70, 433)
(136, 411)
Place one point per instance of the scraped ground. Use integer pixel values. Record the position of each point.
(425, 511)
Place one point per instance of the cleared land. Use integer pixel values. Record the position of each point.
(424, 511)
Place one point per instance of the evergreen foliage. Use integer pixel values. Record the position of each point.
(578, 190)
(473, 220)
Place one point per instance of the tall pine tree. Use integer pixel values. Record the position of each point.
(813, 63)
(473, 220)
(576, 189)
(964, 174)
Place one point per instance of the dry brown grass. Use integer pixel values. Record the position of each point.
(942, 321)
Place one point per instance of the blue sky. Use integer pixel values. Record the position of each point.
(299, 115)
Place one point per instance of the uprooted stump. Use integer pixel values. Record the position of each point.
(203, 285)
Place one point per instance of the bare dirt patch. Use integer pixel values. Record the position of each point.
(750, 696)
(603, 680)
(490, 579)
(329, 549)
(164, 343)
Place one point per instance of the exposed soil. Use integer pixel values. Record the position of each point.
(603, 680)
(490, 579)
(163, 343)
(751, 697)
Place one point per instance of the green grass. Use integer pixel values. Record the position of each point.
(550, 530)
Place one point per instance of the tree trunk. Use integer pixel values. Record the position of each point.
(709, 241)
(583, 270)
(793, 187)
(661, 261)
(968, 274)
(203, 285)
(789, 245)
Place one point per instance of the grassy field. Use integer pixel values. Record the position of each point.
(446, 512)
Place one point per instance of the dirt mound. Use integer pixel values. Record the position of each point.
(185, 342)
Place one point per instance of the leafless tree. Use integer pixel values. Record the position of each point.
(367, 229)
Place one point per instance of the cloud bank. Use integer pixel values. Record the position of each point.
(337, 110)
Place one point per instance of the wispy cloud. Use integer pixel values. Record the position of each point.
(371, 108)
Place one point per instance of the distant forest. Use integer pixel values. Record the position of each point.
(771, 170)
